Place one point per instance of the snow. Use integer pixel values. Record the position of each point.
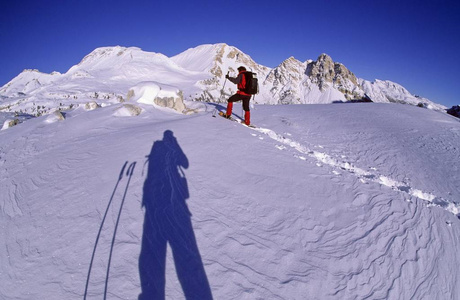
(106, 74)
(158, 95)
(55, 117)
(199, 59)
(127, 110)
(145, 92)
(338, 201)
(6, 124)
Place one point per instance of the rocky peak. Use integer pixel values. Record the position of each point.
(321, 70)
(325, 59)
(324, 71)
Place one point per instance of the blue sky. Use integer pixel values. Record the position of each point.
(413, 43)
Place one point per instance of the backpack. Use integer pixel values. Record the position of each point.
(252, 84)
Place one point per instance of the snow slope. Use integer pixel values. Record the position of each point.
(339, 201)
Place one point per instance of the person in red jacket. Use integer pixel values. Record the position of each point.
(240, 81)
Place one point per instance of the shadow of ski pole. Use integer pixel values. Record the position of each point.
(129, 173)
(100, 229)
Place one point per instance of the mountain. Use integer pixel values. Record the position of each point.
(318, 202)
(107, 74)
(214, 61)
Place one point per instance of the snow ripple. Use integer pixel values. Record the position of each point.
(385, 253)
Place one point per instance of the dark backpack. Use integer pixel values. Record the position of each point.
(252, 84)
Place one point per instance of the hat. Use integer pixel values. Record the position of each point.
(241, 68)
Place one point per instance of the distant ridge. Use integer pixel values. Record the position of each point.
(107, 73)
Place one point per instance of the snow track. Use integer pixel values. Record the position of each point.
(370, 175)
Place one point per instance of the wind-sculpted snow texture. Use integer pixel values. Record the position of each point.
(339, 201)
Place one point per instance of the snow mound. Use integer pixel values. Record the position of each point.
(160, 96)
(55, 117)
(128, 110)
(9, 123)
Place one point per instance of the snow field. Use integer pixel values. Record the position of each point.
(364, 176)
(318, 202)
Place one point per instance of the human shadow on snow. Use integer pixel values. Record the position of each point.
(168, 221)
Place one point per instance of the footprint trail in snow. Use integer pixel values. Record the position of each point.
(365, 176)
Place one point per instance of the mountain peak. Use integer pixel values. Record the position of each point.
(291, 59)
(106, 52)
(324, 58)
(216, 58)
(325, 72)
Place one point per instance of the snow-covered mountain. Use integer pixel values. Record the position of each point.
(318, 202)
(107, 74)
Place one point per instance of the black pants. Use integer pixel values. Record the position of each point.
(238, 97)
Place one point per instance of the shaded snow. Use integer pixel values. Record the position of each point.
(319, 202)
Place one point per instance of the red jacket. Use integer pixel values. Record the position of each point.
(240, 82)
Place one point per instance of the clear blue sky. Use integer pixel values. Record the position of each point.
(413, 43)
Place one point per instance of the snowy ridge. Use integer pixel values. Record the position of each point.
(108, 73)
(383, 91)
(27, 81)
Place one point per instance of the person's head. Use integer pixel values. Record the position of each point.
(168, 135)
(240, 69)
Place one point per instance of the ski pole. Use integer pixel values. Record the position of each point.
(221, 93)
